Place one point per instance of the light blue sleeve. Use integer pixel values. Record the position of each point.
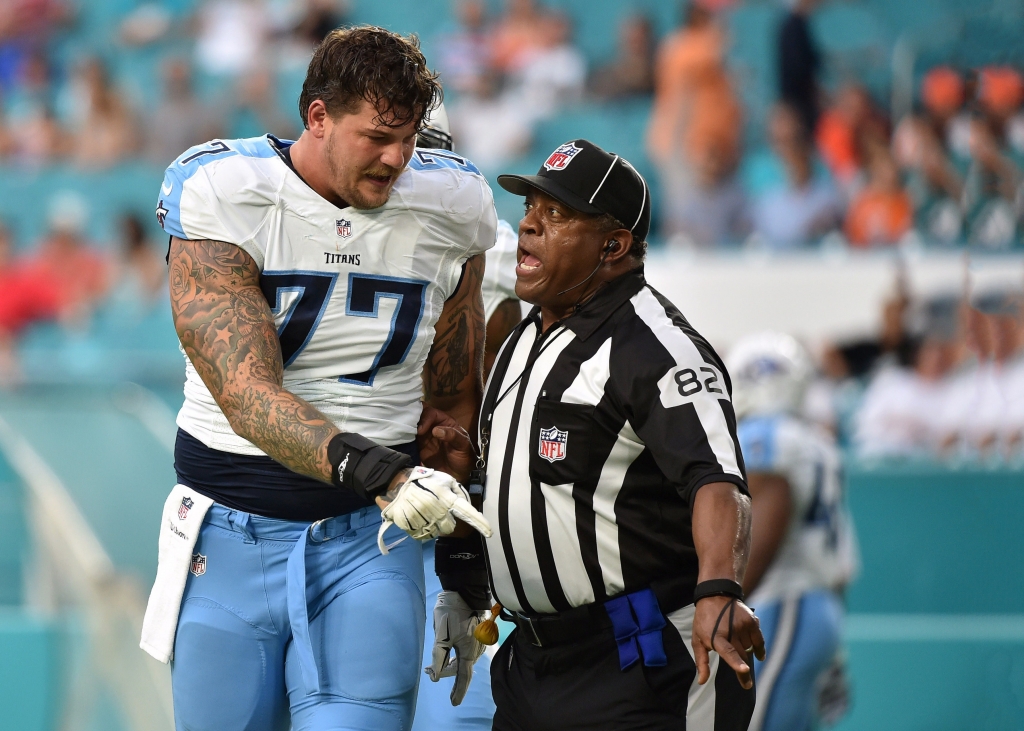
(759, 443)
(168, 209)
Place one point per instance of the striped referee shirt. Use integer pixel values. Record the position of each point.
(597, 435)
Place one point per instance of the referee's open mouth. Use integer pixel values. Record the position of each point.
(527, 262)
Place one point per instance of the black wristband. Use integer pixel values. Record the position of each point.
(461, 566)
(717, 587)
(363, 466)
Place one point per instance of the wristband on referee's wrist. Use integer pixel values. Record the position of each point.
(363, 466)
(717, 587)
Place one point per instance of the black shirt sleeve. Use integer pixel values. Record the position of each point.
(679, 406)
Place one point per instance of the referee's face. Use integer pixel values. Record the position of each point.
(558, 248)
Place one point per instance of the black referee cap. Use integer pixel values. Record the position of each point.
(587, 179)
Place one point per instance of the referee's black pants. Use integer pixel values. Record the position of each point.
(581, 686)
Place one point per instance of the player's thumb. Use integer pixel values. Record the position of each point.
(438, 662)
(452, 437)
(464, 511)
(700, 657)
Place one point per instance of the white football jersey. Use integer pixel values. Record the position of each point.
(499, 283)
(355, 293)
(819, 550)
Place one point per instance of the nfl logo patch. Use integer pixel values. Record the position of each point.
(198, 566)
(186, 505)
(562, 156)
(552, 443)
(344, 228)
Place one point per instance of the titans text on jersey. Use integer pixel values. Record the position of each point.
(355, 293)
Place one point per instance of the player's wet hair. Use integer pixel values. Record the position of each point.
(606, 223)
(367, 62)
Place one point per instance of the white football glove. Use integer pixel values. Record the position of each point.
(427, 506)
(454, 623)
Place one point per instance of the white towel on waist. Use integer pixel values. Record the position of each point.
(182, 518)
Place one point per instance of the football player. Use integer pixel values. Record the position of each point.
(320, 290)
(803, 551)
(450, 649)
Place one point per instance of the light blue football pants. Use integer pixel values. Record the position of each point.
(434, 710)
(802, 635)
(292, 625)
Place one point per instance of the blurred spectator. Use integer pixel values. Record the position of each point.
(1012, 379)
(464, 56)
(145, 24)
(180, 120)
(32, 89)
(695, 109)
(845, 133)
(1000, 93)
(106, 132)
(35, 137)
(907, 398)
(319, 19)
(25, 27)
(631, 72)
(40, 140)
(882, 212)
(300, 26)
(64, 260)
(918, 144)
(990, 190)
(894, 345)
(551, 74)
(230, 35)
(942, 99)
(494, 125)
(896, 414)
(716, 213)
(799, 63)
(994, 313)
(489, 127)
(256, 110)
(24, 299)
(518, 31)
(959, 422)
(142, 274)
(806, 205)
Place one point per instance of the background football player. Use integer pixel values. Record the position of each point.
(803, 551)
(320, 290)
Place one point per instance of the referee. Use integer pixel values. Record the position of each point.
(612, 477)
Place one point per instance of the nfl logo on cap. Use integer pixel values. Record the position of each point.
(344, 228)
(562, 156)
(552, 443)
(186, 505)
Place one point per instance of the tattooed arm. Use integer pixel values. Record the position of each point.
(453, 376)
(504, 320)
(226, 327)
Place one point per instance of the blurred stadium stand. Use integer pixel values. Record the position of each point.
(936, 628)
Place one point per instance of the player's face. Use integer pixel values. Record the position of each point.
(365, 158)
(557, 249)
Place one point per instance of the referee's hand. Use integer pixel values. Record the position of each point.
(444, 445)
(734, 642)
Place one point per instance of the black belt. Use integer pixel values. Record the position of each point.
(572, 625)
